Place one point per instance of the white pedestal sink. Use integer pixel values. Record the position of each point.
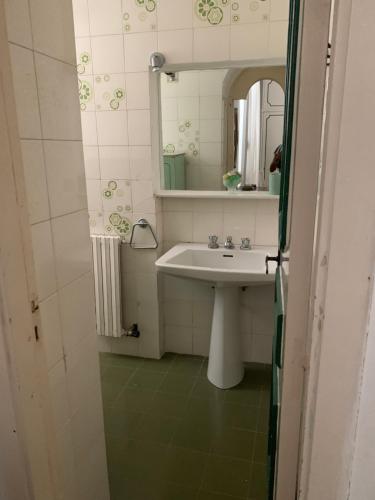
(227, 270)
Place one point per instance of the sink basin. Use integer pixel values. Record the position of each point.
(227, 270)
(228, 267)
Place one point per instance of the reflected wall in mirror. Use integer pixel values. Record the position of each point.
(217, 120)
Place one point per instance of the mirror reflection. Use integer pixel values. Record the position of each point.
(221, 128)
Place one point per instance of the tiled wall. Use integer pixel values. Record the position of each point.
(114, 41)
(188, 304)
(41, 44)
(192, 123)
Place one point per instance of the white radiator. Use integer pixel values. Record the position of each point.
(106, 254)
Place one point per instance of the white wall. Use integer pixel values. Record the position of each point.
(362, 484)
(188, 304)
(42, 50)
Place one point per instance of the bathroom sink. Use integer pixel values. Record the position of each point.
(228, 271)
(228, 267)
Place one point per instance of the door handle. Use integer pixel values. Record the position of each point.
(277, 258)
(272, 259)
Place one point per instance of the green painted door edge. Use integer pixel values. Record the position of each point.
(290, 90)
(279, 317)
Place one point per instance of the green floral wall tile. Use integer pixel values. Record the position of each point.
(139, 15)
(86, 94)
(249, 11)
(116, 196)
(211, 12)
(110, 92)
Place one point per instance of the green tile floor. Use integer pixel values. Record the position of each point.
(171, 435)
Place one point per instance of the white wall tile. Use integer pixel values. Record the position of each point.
(278, 39)
(178, 312)
(35, 180)
(66, 462)
(89, 129)
(112, 128)
(179, 339)
(83, 375)
(211, 44)
(53, 28)
(139, 127)
(210, 153)
(65, 176)
(138, 48)
(137, 91)
(59, 106)
(94, 196)
(107, 54)
(140, 162)
(84, 56)
(143, 197)
(202, 313)
(109, 93)
(249, 41)
(279, 10)
(207, 205)
(210, 130)
(210, 107)
(175, 14)
(266, 230)
(77, 311)
(261, 348)
(51, 329)
(205, 224)
(178, 226)
(73, 254)
(43, 259)
(176, 45)
(138, 17)
(239, 225)
(188, 108)
(201, 341)
(92, 481)
(59, 395)
(25, 92)
(105, 17)
(91, 161)
(81, 18)
(114, 162)
(18, 22)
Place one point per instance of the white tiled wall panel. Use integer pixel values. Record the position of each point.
(45, 82)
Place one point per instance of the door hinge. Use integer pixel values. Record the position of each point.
(34, 306)
(329, 52)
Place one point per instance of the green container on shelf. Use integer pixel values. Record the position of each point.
(274, 182)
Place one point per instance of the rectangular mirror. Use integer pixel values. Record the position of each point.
(221, 129)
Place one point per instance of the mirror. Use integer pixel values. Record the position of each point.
(220, 128)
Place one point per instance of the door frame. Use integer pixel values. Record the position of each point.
(304, 182)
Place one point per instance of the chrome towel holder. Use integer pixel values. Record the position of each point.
(144, 224)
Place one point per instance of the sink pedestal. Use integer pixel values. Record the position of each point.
(225, 366)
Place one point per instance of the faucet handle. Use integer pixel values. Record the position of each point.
(228, 242)
(245, 244)
(212, 241)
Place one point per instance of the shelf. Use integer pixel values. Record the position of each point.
(223, 195)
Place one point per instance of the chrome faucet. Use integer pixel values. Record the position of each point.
(245, 244)
(212, 241)
(228, 242)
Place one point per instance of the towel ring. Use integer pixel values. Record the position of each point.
(143, 223)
